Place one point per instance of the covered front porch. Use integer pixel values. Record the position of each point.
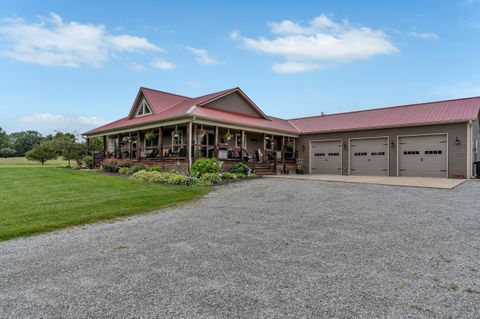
(178, 145)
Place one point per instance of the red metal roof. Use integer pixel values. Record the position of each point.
(459, 110)
(168, 106)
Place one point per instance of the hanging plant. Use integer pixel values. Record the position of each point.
(289, 143)
(150, 135)
(176, 132)
(228, 136)
(202, 132)
(127, 139)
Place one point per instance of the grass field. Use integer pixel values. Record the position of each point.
(23, 161)
(35, 199)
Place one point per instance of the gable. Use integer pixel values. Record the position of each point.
(234, 102)
(142, 108)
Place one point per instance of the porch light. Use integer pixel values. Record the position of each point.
(457, 141)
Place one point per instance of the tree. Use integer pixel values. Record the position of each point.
(7, 152)
(42, 152)
(23, 141)
(4, 139)
(66, 145)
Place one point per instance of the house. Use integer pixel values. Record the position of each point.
(436, 139)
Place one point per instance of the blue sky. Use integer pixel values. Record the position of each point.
(74, 65)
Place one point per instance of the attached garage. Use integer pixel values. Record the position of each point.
(369, 156)
(326, 157)
(423, 155)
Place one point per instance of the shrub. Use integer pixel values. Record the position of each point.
(169, 178)
(154, 169)
(136, 168)
(88, 161)
(123, 170)
(240, 168)
(228, 175)
(210, 178)
(112, 165)
(205, 166)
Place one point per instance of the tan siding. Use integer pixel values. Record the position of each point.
(457, 154)
(234, 103)
(475, 137)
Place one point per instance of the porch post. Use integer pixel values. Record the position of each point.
(215, 147)
(160, 142)
(104, 146)
(283, 149)
(189, 151)
(119, 147)
(242, 145)
(264, 147)
(138, 144)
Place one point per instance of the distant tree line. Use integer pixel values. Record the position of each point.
(35, 146)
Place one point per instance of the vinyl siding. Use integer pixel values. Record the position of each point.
(233, 103)
(457, 154)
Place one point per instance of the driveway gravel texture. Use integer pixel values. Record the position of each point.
(267, 248)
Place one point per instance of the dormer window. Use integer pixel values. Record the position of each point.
(144, 109)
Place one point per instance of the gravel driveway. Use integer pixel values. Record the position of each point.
(267, 248)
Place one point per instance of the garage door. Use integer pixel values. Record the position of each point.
(369, 156)
(326, 157)
(423, 156)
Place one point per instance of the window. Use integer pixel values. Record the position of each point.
(435, 152)
(177, 137)
(360, 154)
(144, 109)
(238, 141)
(411, 152)
(333, 154)
(319, 154)
(378, 153)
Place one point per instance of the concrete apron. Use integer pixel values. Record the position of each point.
(445, 183)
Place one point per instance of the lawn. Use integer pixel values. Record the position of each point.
(23, 161)
(35, 199)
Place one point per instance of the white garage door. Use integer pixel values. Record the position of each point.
(424, 155)
(369, 156)
(326, 157)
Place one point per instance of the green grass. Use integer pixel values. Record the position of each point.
(13, 161)
(35, 199)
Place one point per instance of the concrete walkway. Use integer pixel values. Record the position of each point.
(446, 183)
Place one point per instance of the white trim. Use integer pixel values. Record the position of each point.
(327, 140)
(469, 150)
(368, 138)
(140, 128)
(189, 145)
(246, 128)
(143, 105)
(426, 134)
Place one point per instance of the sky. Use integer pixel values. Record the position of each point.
(75, 65)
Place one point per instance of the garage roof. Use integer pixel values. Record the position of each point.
(449, 111)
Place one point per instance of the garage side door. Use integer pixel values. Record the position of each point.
(326, 157)
(369, 156)
(424, 156)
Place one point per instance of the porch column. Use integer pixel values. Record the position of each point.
(87, 145)
(105, 146)
(283, 149)
(189, 150)
(264, 147)
(160, 142)
(119, 147)
(242, 145)
(139, 140)
(215, 147)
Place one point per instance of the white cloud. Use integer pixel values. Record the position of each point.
(234, 35)
(296, 67)
(163, 65)
(92, 120)
(202, 56)
(45, 117)
(135, 67)
(424, 35)
(53, 42)
(322, 42)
